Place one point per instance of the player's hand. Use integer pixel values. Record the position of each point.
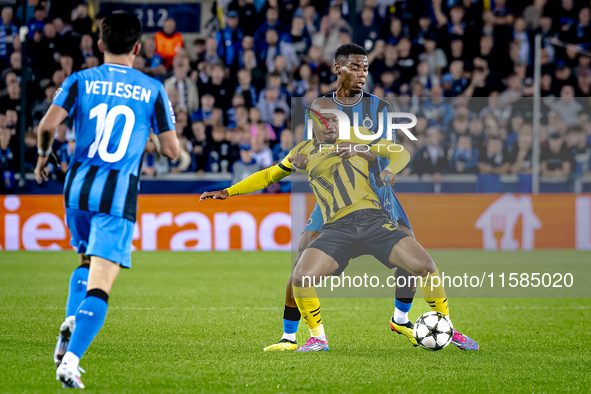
(217, 195)
(388, 177)
(299, 161)
(41, 172)
(346, 149)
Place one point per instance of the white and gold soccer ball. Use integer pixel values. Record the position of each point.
(433, 330)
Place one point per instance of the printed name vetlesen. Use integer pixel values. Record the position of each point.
(120, 89)
(345, 125)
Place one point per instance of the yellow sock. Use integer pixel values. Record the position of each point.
(436, 298)
(309, 306)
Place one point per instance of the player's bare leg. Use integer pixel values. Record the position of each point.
(291, 314)
(90, 318)
(312, 268)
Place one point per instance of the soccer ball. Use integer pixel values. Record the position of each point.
(433, 330)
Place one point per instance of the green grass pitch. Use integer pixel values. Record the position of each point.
(197, 322)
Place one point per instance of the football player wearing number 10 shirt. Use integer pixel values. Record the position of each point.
(113, 108)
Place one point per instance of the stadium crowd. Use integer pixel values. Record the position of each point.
(463, 67)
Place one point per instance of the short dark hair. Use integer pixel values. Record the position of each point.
(575, 129)
(342, 53)
(120, 32)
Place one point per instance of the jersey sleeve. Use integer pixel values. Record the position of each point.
(163, 119)
(67, 94)
(285, 164)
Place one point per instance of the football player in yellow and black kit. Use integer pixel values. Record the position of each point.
(355, 224)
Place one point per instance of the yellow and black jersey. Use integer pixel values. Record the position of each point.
(342, 186)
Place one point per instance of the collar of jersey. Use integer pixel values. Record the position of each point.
(117, 65)
(334, 98)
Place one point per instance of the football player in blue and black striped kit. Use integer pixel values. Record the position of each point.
(113, 107)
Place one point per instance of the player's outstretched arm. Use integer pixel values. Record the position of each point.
(255, 182)
(169, 144)
(54, 116)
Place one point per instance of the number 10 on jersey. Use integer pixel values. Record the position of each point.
(105, 120)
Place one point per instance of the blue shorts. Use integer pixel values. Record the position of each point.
(316, 221)
(102, 235)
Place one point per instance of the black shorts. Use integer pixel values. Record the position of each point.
(367, 231)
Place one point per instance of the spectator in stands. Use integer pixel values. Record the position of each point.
(153, 62)
(230, 40)
(522, 161)
(187, 89)
(205, 112)
(41, 106)
(220, 87)
(199, 146)
(493, 158)
(278, 124)
(38, 21)
(271, 21)
(246, 89)
(211, 51)
(168, 41)
(567, 106)
(15, 66)
(86, 49)
(13, 99)
(368, 31)
(437, 110)
(330, 28)
(81, 21)
(247, 14)
(269, 103)
(8, 162)
(576, 141)
(458, 82)
(261, 152)
(311, 19)
(8, 33)
(220, 159)
(237, 101)
(430, 159)
(281, 150)
(245, 166)
(67, 65)
(556, 158)
(153, 163)
(435, 57)
(465, 157)
(299, 37)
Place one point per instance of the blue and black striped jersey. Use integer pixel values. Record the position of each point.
(367, 109)
(113, 109)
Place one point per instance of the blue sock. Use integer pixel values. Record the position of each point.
(90, 317)
(403, 306)
(290, 327)
(77, 290)
(291, 319)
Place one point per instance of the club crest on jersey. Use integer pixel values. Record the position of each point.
(368, 123)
